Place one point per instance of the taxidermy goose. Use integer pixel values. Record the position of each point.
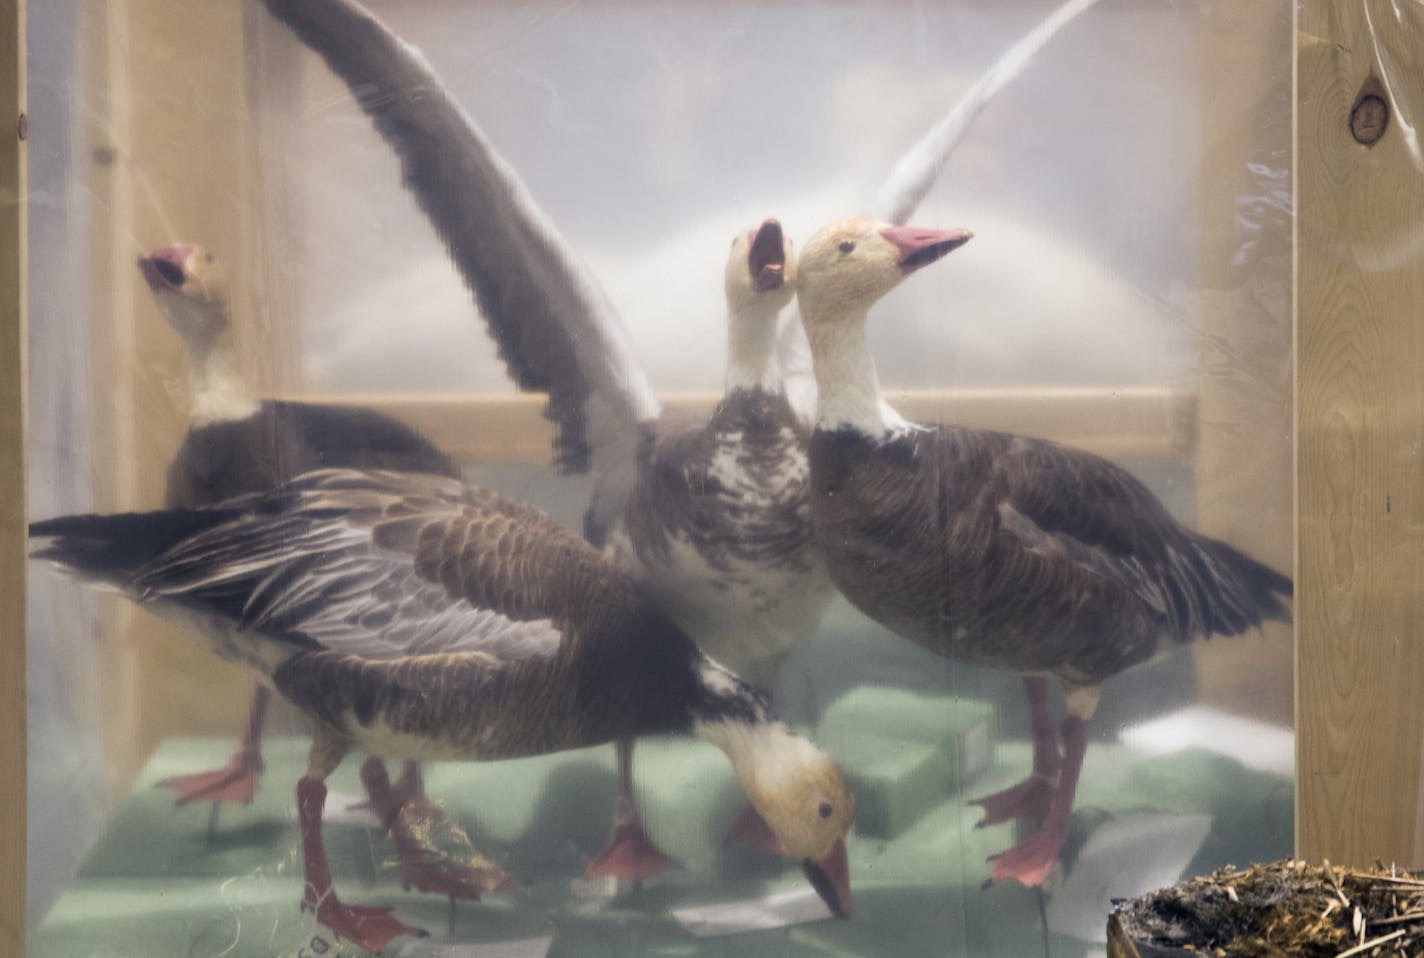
(414, 617)
(237, 445)
(998, 550)
(712, 518)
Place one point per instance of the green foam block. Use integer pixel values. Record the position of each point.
(904, 752)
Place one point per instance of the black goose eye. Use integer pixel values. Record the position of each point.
(825, 809)
(846, 246)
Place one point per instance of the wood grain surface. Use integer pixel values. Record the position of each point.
(1360, 408)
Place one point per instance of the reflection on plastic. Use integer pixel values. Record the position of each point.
(758, 914)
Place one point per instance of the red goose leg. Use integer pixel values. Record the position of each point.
(371, 928)
(1031, 861)
(413, 821)
(630, 853)
(1031, 797)
(237, 781)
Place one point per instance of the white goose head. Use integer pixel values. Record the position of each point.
(760, 282)
(847, 266)
(189, 286)
(843, 270)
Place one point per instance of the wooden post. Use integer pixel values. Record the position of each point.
(12, 476)
(1360, 416)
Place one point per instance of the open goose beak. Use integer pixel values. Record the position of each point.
(922, 247)
(163, 268)
(831, 878)
(767, 257)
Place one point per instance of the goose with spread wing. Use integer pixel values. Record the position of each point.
(237, 445)
(414, 617)
(712, 518)
(999, 550)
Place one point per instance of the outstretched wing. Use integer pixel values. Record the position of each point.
(917, 169)
(555, 328)
(911, 179)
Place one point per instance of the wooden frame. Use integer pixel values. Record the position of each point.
(12, 476)
(1359, 410)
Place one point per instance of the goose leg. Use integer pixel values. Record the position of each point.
(1031, 861)
(1032, 797)
(449, 867)
(370, 928)
(237, 781)
(630, 853)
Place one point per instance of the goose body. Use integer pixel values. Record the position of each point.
(716, 521)
(1001, 550)
(235, 446)
(717, 526)
(414, 617)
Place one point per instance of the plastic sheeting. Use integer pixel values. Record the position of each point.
(1129, 237)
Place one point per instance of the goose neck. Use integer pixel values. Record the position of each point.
(752, 361)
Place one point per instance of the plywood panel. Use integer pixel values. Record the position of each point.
(12, 479)
(1360, 413)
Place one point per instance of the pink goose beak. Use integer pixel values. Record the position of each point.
(831, 878)
(164, 268)
(920, 247)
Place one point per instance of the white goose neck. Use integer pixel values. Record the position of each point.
(752, 362)
(759, 751)
(846, 380)
(218, 390)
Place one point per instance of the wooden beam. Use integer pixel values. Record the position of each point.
(1360, 420)
(1147, 423)
(13, 240)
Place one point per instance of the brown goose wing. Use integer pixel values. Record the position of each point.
(380, 565)
(555, 328)
(1065, 503)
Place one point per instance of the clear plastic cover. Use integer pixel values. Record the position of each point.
(1126, 292)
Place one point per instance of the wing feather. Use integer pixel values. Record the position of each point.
(918, 168)
(312, 563)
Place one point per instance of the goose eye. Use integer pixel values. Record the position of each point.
(846, 246)
(825, 810)
(208, 258)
